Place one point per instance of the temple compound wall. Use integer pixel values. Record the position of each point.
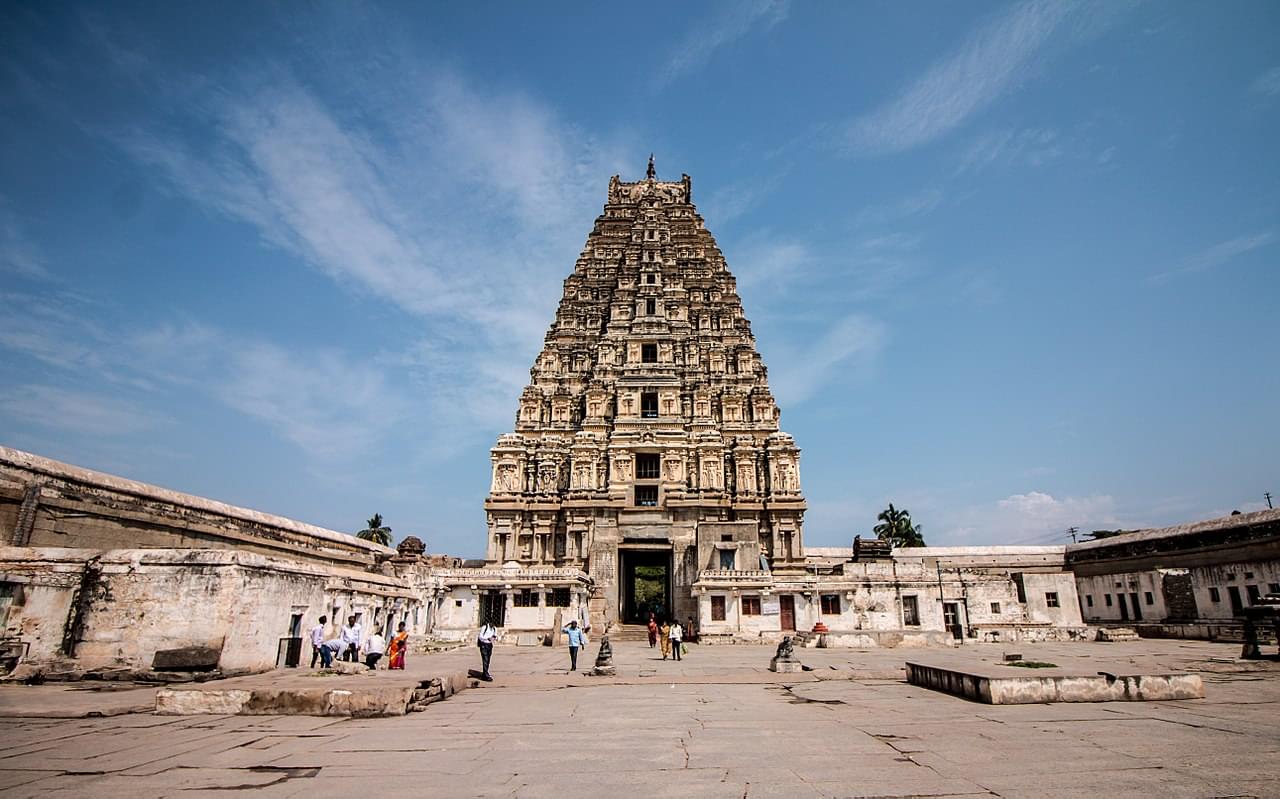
(1193, 580)
(99, 572)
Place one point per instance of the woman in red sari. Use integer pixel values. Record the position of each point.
(397, 647)
(653, 631)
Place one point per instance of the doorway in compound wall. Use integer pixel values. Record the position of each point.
(644, 585)
(951, 620)
(787, 612)
(493, 608)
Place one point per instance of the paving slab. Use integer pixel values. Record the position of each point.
(709, 727)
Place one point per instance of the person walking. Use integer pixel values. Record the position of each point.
(373, 649)
(664, 639)
(399, 645)
(351, 638)
(577, 640)
(317, 639)
(488, 634)
(653, 631)
(677, 638)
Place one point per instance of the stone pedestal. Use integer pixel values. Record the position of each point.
(785, 666)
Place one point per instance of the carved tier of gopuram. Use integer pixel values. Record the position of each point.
(648, 422)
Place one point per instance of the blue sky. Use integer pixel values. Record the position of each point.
(1012, 266)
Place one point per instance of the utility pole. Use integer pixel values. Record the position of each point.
(1268, 496)
(1071, 531)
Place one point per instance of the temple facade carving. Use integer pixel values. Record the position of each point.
(648, 411)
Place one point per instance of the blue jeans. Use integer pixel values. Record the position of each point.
(326, 657)
(573, 658)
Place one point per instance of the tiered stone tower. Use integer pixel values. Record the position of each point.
(648, 414)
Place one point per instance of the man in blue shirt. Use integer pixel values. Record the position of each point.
(576, 641)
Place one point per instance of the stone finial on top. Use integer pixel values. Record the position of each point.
(411, 545)
(651, 173)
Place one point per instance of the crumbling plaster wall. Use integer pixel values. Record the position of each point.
(136, 602)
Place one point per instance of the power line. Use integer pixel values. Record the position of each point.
(1071, 531)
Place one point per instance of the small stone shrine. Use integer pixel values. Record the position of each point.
(784, 660)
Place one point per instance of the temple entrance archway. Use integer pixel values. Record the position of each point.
(645, 584)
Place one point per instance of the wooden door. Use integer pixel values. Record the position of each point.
(787, 611)
(951, 620)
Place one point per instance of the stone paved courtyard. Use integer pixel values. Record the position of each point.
(718, 725)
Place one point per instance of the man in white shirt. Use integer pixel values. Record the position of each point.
(317, 639)
(373, 649)
(488, 634)
(351, 640)
(677, 638)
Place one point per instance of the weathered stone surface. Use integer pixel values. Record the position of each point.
(187, 658)
(181, 702)
(1034, 688)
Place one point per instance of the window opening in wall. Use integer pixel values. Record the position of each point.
(995, 608)
(726, 536)
(648, 353)
(524, 599)
(647, 466)
(1273, 588)
(558, 598)
(1051, 598)
(1148, 597)
(650, 307)
(1231, 577)
(728, 559)
(1254, 595)
(457, 603)
(651, 279)
(831, 604)
(1108, 598)
(649, 405)
(717, 608)
(1214, 596)
(647, 496)
(1248, 575)
(1088, 599)
(751, 606)
(910, 612)
(295, 625)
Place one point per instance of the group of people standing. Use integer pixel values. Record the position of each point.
(349, 645)
(669, 636)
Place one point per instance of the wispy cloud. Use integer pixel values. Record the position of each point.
(63, 409)
(1033, 517)
(851, 344)
(18, 254)
(995, 59)
(1217, 255)
(916, 205)
(1027, 147)
(732, 22)
(1268, 83)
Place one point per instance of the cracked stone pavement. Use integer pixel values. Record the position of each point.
(715, 725)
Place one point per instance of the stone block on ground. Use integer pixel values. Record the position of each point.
(187, 658)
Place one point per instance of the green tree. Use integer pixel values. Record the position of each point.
(895, 526)
(375, 531)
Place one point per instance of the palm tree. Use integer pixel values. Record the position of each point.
(375, 532)
(895, 526)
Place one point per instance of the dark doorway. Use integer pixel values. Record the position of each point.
(1124, 607)
(787, 611)
(951, 620)
(1137, 608)
(645, 586)
(1237, 606)
(493, 608)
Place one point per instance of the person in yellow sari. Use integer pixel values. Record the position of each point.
(664, 639)
(397, 647)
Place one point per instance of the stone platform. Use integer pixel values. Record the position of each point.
(983, 684)
(311, 695)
